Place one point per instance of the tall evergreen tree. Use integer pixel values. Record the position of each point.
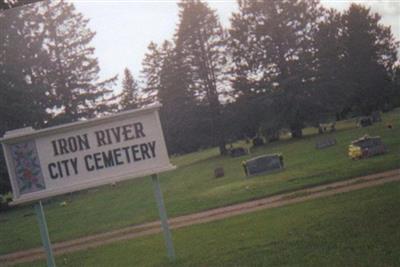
(167, 81)
(331, 94)
(47, 67)
(272, 49)
(182, 117)
(151, 69)
(76, 91)
(395, 88)
(130, 92)
(370, 54)
(201, 40)
(23, 100)
(22, 62)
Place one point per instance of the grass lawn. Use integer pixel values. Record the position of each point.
(192, 188)
(359, 228)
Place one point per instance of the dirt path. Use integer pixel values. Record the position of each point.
(203, 217)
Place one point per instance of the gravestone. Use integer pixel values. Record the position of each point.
(325, 142)
(263, 164)
(238, 152)
(364, 121)
(219, 172)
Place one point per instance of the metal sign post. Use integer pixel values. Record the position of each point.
(163, 217)
(44, 234)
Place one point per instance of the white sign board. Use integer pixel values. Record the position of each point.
(85, 154)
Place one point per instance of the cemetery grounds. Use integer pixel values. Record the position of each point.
(355, 229)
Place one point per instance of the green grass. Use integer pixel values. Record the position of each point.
(192, 188)
(359, 228)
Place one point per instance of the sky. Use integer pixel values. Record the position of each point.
(124, 28)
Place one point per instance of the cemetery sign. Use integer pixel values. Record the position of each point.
(85, 154)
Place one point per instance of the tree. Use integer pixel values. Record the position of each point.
(395, 88)
(23, 62)
(184, 118)
(23, 100)
(168, 80)
(6, 4)
(151, 69)
(331, 94)
(48, 73)
(201, 40)
(370, 54)
(75, 89)
(130, 92)
(271, 43)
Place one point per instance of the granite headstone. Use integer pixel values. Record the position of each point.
(325, 142)
(364, 121)
(219, 172)
(263, 164)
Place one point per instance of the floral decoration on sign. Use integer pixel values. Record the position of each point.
(27, 167)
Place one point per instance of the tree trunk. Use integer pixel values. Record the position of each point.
(212, 96)
(218, 129)
(222, 147)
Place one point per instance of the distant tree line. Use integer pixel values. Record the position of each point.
(282, 64)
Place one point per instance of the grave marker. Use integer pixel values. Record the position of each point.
(263, 164)
(325, 142)
(219, 172)
(364, 121)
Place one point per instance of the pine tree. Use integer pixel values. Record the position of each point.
(331, 94)
(23, 100)
(370, 55)
(182, 117)
(272, 49)
(22, 61)
(73, 70)
(130, 92)
(151, 68)
(201, 40)
(167, 81)
(395, 89)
